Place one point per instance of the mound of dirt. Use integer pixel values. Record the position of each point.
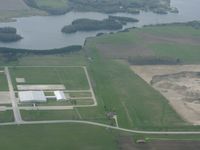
(179, 84)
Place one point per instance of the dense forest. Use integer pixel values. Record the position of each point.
(112, 23)
(9, 34)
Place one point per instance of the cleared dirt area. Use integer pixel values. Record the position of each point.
(13, 5)
(174, 145)
(128, 143)
(179, 84)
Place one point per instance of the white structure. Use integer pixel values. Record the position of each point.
(20, 80)
(32, 96)
(60, 96)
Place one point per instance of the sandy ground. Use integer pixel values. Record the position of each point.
(4, 98)
(148, 71)
(179, 84)
(13, 5)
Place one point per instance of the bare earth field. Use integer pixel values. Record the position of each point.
(173, 145)
(180, 84)
(13, 5)
(127, 143)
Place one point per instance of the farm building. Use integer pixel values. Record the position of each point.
(60, 96)
(32, 96)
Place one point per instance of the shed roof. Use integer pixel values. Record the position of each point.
(60, 95)
(32, 96)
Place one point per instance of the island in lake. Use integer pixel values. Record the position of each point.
(9, 34)
(112, 23)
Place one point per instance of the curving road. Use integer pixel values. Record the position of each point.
(105, 126)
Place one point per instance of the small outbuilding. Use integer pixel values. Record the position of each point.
(60, 96)
(32, 96)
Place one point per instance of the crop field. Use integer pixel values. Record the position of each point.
(73, 78)
(172, 42)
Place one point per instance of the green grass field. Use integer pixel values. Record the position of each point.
(90, 114)
(73, 78)
(6, 116)
(36, 115)
(135, 102)
(71, 59)
(57, 136)
(3, 82)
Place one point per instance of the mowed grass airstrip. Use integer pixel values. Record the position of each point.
(117, 89)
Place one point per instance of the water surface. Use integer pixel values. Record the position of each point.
(44, 32)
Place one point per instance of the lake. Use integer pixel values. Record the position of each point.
(44, 32)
